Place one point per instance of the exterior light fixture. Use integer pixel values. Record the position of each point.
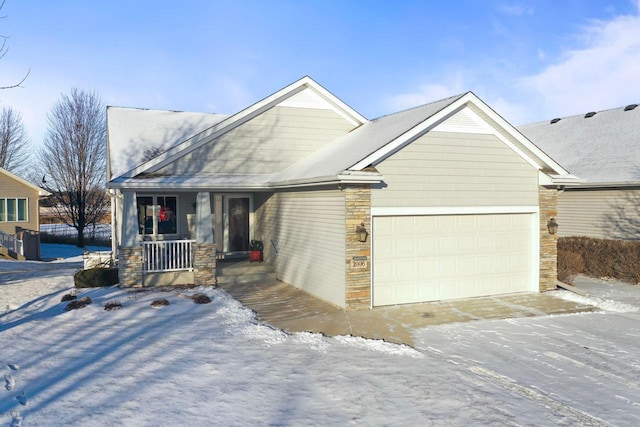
(361, 232)
(552, 226)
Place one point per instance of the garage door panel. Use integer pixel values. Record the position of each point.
(426, 258)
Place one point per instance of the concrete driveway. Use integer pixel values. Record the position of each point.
(293, 310)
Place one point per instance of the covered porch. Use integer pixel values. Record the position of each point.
(166, 238)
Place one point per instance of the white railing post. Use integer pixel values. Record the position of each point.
(11, 242)
(167, 255)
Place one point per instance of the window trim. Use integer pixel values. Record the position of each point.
(5, 210)
(154, 200)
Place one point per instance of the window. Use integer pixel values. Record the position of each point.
(14, 209)
(157, 214)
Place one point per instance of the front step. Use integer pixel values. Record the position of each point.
(240, 272)
(6, 253)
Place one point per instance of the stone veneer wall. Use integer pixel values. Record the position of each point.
(357, 254)
(548, 198)
(204, 264)
(130, 267)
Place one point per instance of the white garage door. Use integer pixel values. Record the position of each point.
(430, 258)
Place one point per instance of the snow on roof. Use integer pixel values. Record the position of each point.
(134, 133)
(602, 148)
(341, 154)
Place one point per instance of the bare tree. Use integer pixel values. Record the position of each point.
(13, 140)
(74, 159)
(3, 51)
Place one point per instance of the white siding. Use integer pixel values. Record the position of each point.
(608, 214)
(307, 229)
(456, 169)
(268, 143)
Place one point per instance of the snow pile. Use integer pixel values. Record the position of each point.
(601, 303)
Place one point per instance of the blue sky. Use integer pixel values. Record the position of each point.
(530, 61)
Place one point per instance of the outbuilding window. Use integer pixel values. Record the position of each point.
(14, 209)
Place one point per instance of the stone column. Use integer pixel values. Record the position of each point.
(204, 249)
(204, 264)
(548, 242)
(358, 254)
(130, 255)
(130, 267)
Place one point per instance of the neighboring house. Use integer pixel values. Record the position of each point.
(455, 200)
(603, 148)
(19, 217)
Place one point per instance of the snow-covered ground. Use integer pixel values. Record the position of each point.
(215, 364)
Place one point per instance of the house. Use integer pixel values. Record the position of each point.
(603, 148)
(445, 200)
(19, 217)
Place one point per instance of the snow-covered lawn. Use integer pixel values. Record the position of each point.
(214, 364)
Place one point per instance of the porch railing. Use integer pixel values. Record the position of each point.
(167, 255)
(11, 243)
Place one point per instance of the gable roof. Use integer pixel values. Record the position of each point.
(231, 122)
(41, 192)
(134, 131)
(346, 159)
(603, 148)
(368, 145)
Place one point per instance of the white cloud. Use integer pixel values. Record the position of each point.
(516, 9)
(602, 74)
(428, 93)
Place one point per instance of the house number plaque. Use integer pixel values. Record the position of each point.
(359, 262)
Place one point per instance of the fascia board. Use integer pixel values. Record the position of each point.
(348, 113)
(541, 155)
(607, 185)
(452, 108)
(140, 184)
(553, 179)
(243, 116)
(331, 179)
(398, 142)
(213, 132)
(506, 142)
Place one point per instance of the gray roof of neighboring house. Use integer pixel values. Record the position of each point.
(602, 148)
(134, 131)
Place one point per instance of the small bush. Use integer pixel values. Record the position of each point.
(201, 299)
(570, 264)
(113, 305)
(96, 277)
(68, 297)
(604, 258)
(160, 303)
(79, 303)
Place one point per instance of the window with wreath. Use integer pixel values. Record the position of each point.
(14, 209)
(157, 215)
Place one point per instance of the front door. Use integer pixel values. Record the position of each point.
(238, 213)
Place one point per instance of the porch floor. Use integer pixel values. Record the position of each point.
(293, 310)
